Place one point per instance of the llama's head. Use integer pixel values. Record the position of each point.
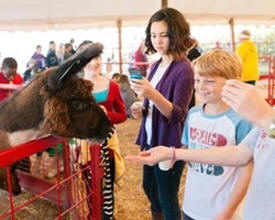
(57, 102)
(70, 109)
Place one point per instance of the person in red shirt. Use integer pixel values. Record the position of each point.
(10, 80)
(141, 60)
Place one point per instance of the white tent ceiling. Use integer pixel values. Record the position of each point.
(72, 14)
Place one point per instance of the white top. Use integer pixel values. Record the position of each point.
(208, 187)
(260, 198)
(154, 81)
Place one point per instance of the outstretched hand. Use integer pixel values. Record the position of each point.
(152, 156)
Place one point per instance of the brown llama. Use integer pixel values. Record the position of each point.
(57, 102)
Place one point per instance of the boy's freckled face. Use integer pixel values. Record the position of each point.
(209, 88)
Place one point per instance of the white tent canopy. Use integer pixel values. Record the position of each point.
(239, 10)
(73, 14)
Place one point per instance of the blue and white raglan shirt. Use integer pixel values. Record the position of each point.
(208, 187)
(260, 198)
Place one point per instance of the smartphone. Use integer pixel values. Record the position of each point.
(135, 73)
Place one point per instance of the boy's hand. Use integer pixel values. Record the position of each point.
(152, 156)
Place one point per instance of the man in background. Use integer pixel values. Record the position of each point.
(67, 52)
(52, 59)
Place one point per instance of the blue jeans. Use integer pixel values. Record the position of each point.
(161, 188)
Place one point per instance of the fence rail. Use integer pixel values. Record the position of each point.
(59, 191)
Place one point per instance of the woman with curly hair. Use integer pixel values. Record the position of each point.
(167, 93)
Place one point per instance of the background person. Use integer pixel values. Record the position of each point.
(248, 52)
(127, 93)
(51, 58)
(67, 52)
(116, 77)
(193, 53)
(32, 71)
(141, 60)
(72, 42)
(39, 57)
(107, 95)
(10, 80)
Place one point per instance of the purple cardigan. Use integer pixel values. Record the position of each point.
(176, 85)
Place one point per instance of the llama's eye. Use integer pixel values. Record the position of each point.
(79, 105)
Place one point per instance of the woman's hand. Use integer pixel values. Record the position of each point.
(152, 156)
(143, 87)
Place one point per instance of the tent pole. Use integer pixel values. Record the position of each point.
(164, 3)
(119, 45)
(231, 23)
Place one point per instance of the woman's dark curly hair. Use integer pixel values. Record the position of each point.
(178, 32)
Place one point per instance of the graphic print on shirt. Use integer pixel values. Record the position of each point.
(203, 139)
(263, 143)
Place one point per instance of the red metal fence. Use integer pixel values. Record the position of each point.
(62, 191)
(270, 77)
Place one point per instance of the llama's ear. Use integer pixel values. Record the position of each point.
(73, 65)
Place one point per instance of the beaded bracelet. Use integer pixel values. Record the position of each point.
(173, 156)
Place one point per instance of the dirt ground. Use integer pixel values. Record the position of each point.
(130, 201)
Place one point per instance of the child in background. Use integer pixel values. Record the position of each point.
(32, 71)
(128, 94)
(10, 80)
(116, 77)
(214, 192)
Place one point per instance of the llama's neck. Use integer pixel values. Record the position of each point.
(23, 111)
(20, 137)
